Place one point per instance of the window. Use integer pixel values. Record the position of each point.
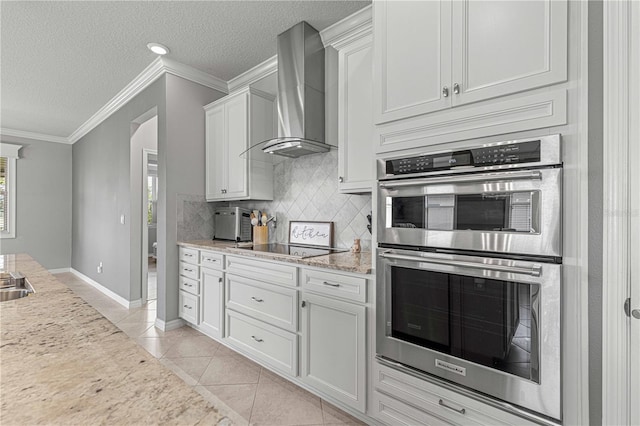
(8, 157)
(152, 199)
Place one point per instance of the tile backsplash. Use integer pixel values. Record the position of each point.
(194, 217)
(306, 188)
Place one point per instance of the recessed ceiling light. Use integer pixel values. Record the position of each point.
(158, 48)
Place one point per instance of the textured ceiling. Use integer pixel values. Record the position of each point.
(62, 61)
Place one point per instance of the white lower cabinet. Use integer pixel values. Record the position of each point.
(188, 307)
(405, 399)
(275, 347)
(212, 302)
(333, 350)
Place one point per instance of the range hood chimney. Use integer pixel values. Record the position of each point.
(300, 93)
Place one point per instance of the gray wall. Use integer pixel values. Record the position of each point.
(181, 172)
(43, 204)
(595, 210)
(102, 192)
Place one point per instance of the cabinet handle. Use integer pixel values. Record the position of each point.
(256, 339)
(257, 300)
(456, 88)
(340, 179)
(207, 259)
(187, 270)
(187, 306)
(188, 285)
(304, 304)
(220, 280)
(188, 255)
(330, 284)
(445, 91)
(458, 410)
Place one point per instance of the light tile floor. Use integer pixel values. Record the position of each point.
(257, 395)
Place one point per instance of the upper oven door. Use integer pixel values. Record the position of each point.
(515, 212)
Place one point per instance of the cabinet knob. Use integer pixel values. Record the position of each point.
(340, 179)
(445, 91)
(456, 88)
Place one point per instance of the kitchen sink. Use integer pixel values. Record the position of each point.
(14, 285)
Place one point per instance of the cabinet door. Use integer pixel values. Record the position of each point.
(215, 151)
(333, 348)
(236, 110)
(412, 57)
(212, 299)
(355, 117)
(502, 47)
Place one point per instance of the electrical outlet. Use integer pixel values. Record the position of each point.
(99, 268)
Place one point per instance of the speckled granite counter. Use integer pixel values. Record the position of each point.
(64, 363)
(349, 262)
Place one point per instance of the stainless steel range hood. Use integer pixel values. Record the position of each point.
(300, 93)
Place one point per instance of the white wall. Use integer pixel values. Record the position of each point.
(43, 203)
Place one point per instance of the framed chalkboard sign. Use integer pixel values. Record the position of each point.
(317, 234)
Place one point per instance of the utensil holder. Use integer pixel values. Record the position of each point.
(260, 235)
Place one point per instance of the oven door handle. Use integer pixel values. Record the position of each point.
(475, 178)
(534, 271)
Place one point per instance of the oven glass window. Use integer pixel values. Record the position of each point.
(481, 320)
(508, 211)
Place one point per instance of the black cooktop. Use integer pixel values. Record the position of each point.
(300, 252)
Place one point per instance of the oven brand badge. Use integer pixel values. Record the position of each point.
(451, 367)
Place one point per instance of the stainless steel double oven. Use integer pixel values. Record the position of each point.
(469, 268)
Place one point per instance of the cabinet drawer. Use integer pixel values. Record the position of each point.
(188, 307)
(438, 401)
(393, 412)
(273, 273)
(274, 346)
(211, 260)
(189, 285)
(275, 305)
(188, 270)
(188, 255)
(329, 283)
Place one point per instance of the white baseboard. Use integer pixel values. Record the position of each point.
(168, 325)
(59, 270)
(121, 300)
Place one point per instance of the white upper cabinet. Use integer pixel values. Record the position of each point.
(233, 124)
(502, 47)
(412, 57)
(355, 116)
(432, 55)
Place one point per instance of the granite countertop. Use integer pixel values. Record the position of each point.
(359, 263)
(64, 363)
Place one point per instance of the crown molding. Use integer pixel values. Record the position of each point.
(137, 85)
(256, 73)
(32, 135)
(345, 31)
(195, 75)
(351, 28)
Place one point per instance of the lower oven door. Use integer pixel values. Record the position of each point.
(492, 325)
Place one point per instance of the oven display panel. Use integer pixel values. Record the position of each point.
(524, 152)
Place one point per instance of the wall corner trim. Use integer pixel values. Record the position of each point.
(168, 325)
(121, 300)
(256, 73)
(59, 270)
(155, 70)
(351, 28)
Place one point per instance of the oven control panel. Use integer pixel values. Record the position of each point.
(497, 155)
